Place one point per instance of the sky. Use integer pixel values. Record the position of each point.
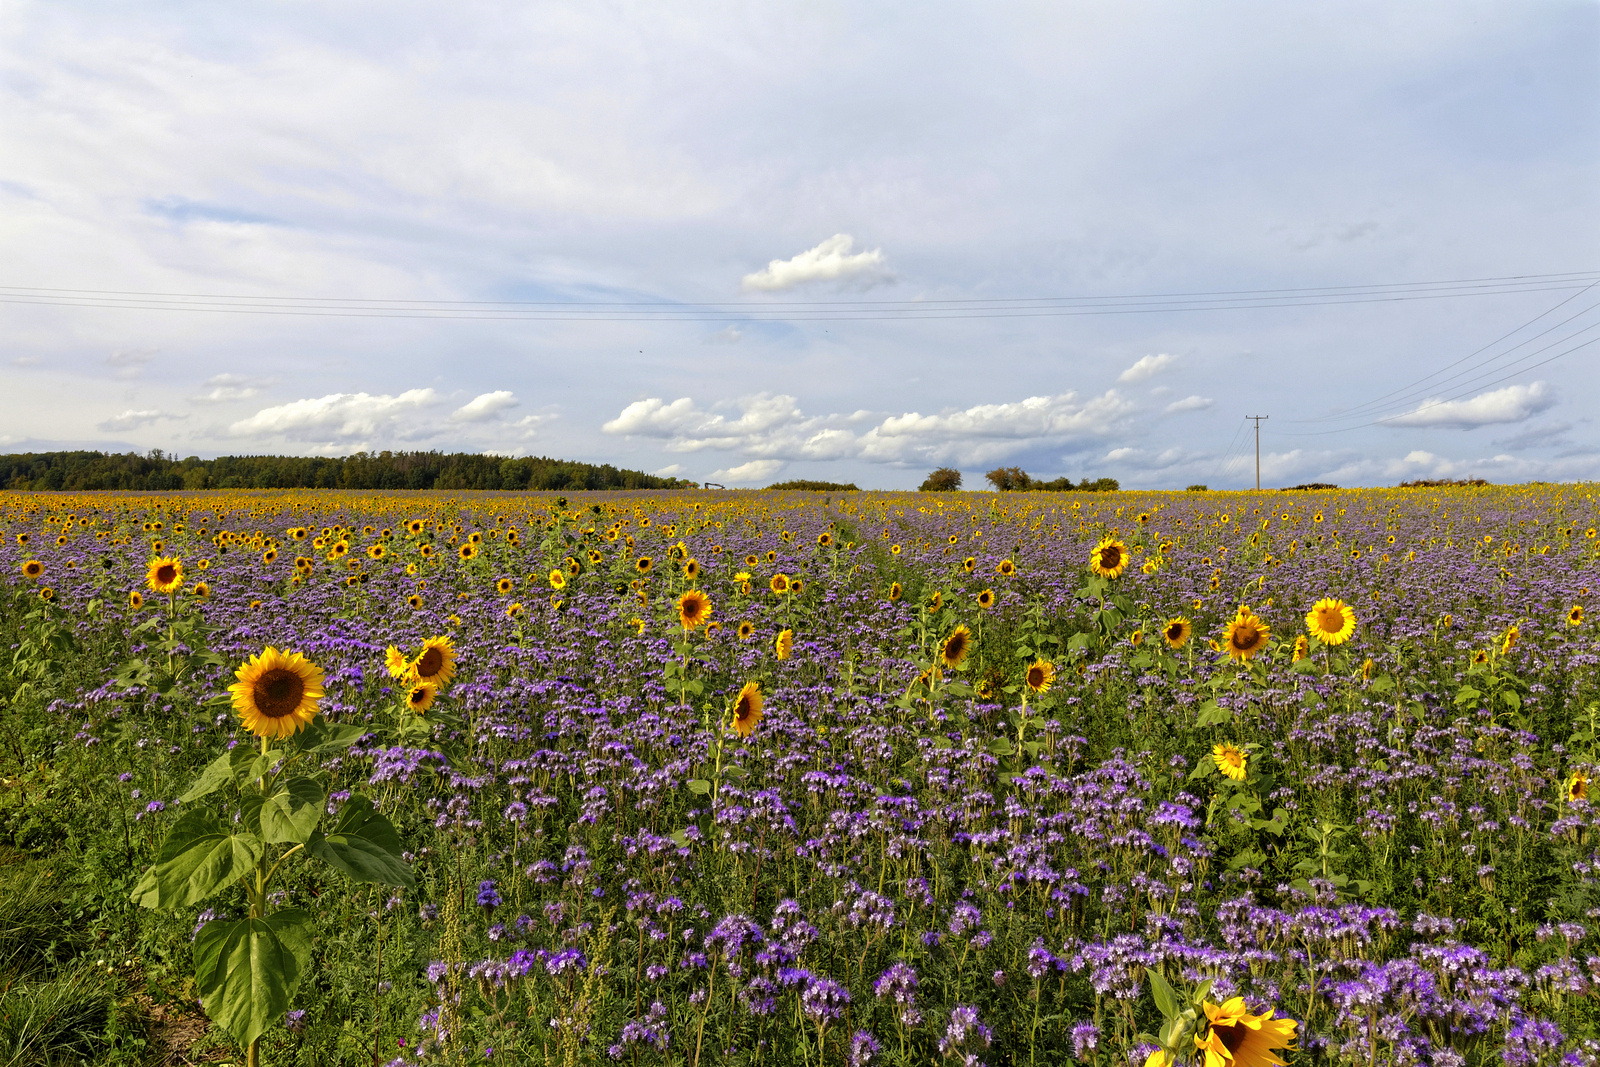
(743, 242)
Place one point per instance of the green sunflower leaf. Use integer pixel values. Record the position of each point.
(248, 970)
(363, 844)
(197, 859)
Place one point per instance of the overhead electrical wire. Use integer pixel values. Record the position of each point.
(1432, 382)
(795, 311)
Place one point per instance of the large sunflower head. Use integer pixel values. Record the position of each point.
(1238, 1038)
(1577, 787)
(164, 575)
(1302, 648)
(135, 600)
(467, 550)
(33, 568)
(1331, 621)
(1245, 636)
(1509, 642)
(1006, 568)
(1109, 558)
(779, 583)
(895, 592)
(747, 630)
(643, 564)
(694, 608)
(1176, 632)
(783, 644)
(954, 649)
(395, 662)
(419, 698)
(503, 586)
(277, 693)
(1039, 676)
(1230, 760)
(969, 564)
(1575, 616)
(747, 709)
(436, 663)
(986, 599)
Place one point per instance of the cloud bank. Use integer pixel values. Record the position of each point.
(1514, 403)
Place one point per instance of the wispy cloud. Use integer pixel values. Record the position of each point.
(1190, 403)
(1514, 403)
(829, 261)
(131, 362)
(1146, 367)
(132, 420)
(230, 387)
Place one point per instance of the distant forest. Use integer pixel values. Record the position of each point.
(364, 470)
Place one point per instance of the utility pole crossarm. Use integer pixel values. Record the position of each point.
(1258, 419)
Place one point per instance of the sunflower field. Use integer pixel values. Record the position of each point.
(801, 778)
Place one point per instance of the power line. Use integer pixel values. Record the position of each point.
(637, 311)
(1406, 393)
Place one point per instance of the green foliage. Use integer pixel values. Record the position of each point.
(815, 487)
(364, 470)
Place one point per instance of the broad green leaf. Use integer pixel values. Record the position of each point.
(239, 764)
(291, 811)
(323, 736)
(197, 859)
(1166, 1000)
(700, 786)
(248, 970)
(363, 844)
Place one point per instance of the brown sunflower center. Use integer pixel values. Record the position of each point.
(744, 709)
(955, 648)
(166, 574)
(1232, 1037)
(1110, 557)
(1174, 631)
(418, 695)
(277, 692)
(1244, 638)
(431, 663)
(1035, 677)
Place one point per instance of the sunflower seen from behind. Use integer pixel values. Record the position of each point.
(277, 693)
(783, 644)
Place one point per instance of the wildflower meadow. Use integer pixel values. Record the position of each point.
(801, 778)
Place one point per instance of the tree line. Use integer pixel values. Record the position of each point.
(1009, 479)
(364, 470)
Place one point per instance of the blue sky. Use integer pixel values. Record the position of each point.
(785, 192)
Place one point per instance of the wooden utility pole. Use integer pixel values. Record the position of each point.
(1258, 419)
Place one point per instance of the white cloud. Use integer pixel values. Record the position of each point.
(1190, 403)
(766, 426)
(485, 406)
(227, 387)
(132, 420)
(25, 361)
(342, 415)
(828, 261)
(1514, 403)
(728, 335)
(757, 470)
(671, 470)
(1147, 367)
